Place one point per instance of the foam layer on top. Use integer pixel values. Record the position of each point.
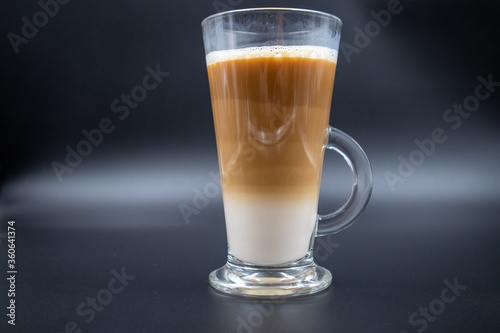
(302, 51)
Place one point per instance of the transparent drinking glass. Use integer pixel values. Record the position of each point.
(271, 73)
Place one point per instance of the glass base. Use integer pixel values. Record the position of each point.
(299, 278)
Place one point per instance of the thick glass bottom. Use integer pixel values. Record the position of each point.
(300, 278)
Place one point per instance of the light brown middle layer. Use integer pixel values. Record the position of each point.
(271, 117)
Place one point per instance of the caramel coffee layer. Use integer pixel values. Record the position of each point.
(271, 111)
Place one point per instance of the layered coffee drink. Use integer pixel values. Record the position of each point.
(271, 108)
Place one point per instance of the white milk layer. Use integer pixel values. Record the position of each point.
(264, 230)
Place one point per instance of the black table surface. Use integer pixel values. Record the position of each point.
(402, 267)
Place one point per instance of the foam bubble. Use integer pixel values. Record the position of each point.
(299, 51)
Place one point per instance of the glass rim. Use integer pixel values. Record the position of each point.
(271, 9)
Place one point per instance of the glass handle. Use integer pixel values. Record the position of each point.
(361, 188)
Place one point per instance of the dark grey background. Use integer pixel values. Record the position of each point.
(120, 207)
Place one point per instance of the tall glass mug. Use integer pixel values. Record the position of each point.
(271, 73)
